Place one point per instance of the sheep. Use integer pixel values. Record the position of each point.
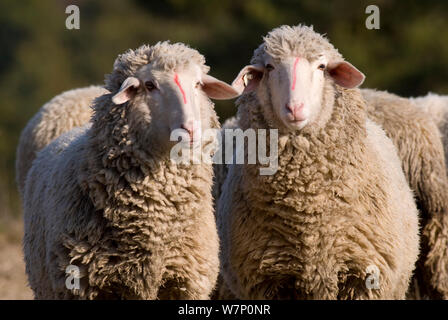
(420, 149)
(107, 205)
(417, 139)
(437, 107)
(338, 213)
(64, 112)
(434, 104)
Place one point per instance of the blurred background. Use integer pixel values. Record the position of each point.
(40, 58)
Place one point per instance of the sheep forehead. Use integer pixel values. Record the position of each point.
(297, 41)
(169, 56)
(155, 71)
(163, 55)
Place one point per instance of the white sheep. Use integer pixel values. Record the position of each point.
(338, 219)
(418, 141)
(437, 107)
(61, 114)
(106, 199)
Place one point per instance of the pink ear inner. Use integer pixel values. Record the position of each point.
(176, 80)
(294, 78)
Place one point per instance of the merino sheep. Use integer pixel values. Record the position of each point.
(61, 114)
(339, 210)
(434, 104)
(420, 149)
(437, 107)
(417, 139)
(108, 199)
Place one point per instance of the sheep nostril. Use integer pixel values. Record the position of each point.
(296, 111)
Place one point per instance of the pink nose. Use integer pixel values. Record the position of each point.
(296, 110)
(189, 128)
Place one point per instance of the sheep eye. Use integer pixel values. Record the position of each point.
(269, 67)
(150, 85)
(198, 84)
(321, 66)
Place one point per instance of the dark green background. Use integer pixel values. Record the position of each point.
(40, 58)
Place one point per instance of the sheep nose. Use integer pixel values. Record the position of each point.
(296, 111)
(190, 129)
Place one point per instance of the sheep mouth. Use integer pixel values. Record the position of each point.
(297, 120)
(296, 124)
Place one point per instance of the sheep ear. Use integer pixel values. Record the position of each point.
(345, 74)
(127, 90)
(217, 89)
(248, 79)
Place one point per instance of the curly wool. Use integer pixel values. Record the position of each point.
(420, 149)
(338, 204)
(136, 224)
(437, 107)
(295, 41)
(61, 114)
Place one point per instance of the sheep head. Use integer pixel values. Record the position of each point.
(168, 90)
(292, 71)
